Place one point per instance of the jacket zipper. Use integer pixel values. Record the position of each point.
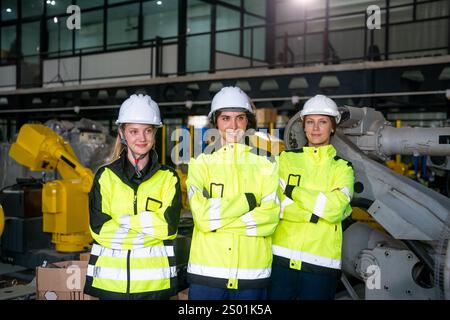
(128, 273)
(135, 202)
(129, 251)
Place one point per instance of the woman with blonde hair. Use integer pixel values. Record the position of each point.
(134, 209)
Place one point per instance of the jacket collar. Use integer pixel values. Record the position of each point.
(125, 170)
(233, 148)
(322, 152)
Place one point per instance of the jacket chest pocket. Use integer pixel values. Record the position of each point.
(216, 190)
(293, 180)
(152, 204)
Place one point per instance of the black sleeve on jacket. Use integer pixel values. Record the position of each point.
(172, 213)
(96, 217)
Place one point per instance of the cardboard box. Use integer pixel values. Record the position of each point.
(62, 281)
(85, 256)
(183, 295)
(264, 116)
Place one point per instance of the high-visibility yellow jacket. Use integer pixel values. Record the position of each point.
(133, 223)
(232, 195)
(316, 188)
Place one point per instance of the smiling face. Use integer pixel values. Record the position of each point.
(318, 129)
(232, 126)
(140, 138)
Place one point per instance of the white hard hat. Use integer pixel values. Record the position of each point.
(321, 104)
(139, 109)
(230, 98)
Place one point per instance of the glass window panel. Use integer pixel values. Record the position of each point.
(433, 9)
(346, 7)
(30, 38)
(197, 53)
(228, 42)
(348, 44)
(59, 38)
(314, 48)
(8, 51)
(418, 36)
(401, 14)
(198, 47)
(30, 72)
(160, 20)
(32, 8)
(91, 32)
(379, 42)
(123, 25)
(9, 10)
(199, 17)
(86, 4)
(259, 43)
(290, 11)
(354, 21)
(56, 7)
(255, 38)
(227, 18)
(256, 6)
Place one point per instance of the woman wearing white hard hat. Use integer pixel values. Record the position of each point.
(134, 209)
(316, 187)
(232, 195)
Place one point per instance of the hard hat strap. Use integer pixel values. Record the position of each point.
(136, 161)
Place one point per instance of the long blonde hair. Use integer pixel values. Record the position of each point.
(119, 147)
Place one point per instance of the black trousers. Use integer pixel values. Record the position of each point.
(289, 284)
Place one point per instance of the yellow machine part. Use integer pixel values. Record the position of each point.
(359, 214)
(35, 146)
(65, 202)
(2, 220)
(182, 174)
(66, 215)
(400, 167)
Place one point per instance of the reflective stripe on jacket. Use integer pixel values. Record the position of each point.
(133, 226)
(315, 191)
(232, 195)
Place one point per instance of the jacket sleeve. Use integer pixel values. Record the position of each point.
(98, 204)
(332, 206)
(263, 219)
(289, 209)
(213, 213)
(102, 225)
(161, 224)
